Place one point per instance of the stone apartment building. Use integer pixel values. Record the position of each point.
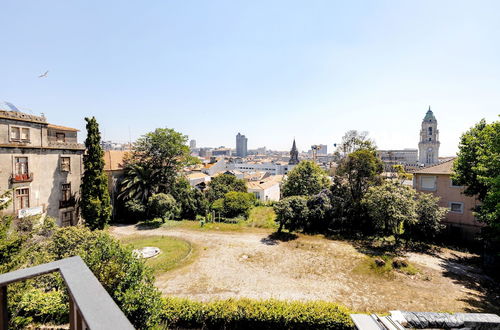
(437, 181)
(41, 164)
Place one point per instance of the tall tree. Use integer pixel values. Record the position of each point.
(95, 201)
(355, 174)
(164, 152)
(392, 207)
(354, 140)
(477, 167)
(223, 184)
(307, 178)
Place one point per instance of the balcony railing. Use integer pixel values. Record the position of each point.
(90, 305)
(67, 203)
(23, 177)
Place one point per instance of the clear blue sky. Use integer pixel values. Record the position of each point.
(272, 70)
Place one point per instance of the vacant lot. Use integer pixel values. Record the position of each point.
(248, 263)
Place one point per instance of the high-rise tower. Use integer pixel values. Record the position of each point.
(241, 145)
(428, 147)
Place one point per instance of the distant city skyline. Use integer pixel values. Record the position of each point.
(273, 70)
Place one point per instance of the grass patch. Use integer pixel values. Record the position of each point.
(371, 265)
(174, 251)
(262, 217)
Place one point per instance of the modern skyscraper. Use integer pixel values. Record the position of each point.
(428, 147)
(294, 155)
(241, 145)
(192, 144)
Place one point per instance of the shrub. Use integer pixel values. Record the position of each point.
(292, 212)
(237, 203)
(162, 206)
(135, 210)
(253, 314)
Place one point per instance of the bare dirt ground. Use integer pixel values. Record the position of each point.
(249, 264)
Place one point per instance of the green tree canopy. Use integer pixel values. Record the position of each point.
(361, 169)
(162, 206)
(236, 203)
(95, 204)
(307, 179)
(429, 217)
(354, 140)
(223, 184)
(292, 213)
(477, 167)
(163, 153)
(391, 207)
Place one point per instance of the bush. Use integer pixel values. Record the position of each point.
(292, 213)
(162, 206)
(135, 210)
(124, 277)
(237, 203)
(253, 314)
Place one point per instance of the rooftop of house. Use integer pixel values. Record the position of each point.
(441, 168)
(62, 128)
(10, 111)
(196, 175)
(113, 160)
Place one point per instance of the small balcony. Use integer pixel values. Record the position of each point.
(21, 177)
(71, 202)
(90, 306)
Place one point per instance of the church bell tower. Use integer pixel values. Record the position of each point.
(428, 147)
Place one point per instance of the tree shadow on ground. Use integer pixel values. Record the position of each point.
(464, 272)
(275, 238)
(148, 225)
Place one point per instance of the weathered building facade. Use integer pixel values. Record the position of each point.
(41, 165)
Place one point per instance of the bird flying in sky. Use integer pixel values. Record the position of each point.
(44, 75)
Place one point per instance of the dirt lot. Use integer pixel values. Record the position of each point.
(249, 264)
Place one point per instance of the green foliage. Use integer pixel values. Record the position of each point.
(401, 173)
(429, 217)
(162, 206)
(165, 153)
(95, 204)
(222, 184)
(319, 212)
(218, 205)
(255, 314)
(356, 173)
(44, 299)
(354, 140)
(37, 306)
(305, 179)
(135, 210)
(292, 213)
(139, 183)
(391, 206)
(125, 277)
(237, 203)
(192, 202)
(477, 168)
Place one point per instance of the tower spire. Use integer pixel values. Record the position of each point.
(294, 155)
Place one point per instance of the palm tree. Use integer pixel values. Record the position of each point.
(139, 183)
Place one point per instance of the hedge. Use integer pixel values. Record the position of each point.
(254, 314)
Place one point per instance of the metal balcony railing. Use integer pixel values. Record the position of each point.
(23, 177)
(90, 305)
(67, 203)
